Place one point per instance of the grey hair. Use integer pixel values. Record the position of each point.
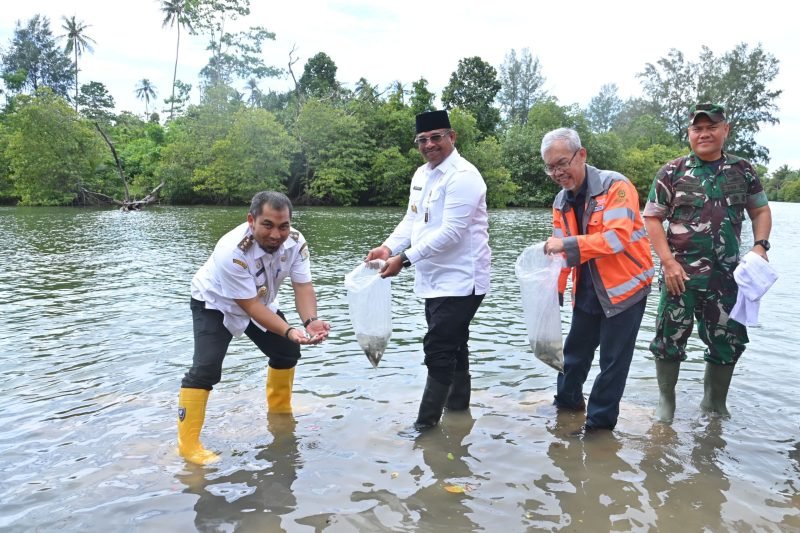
(276, 200)
(567, 135)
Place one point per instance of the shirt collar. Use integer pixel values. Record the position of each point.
(445, 165)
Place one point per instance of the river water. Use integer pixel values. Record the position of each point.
(95, 335)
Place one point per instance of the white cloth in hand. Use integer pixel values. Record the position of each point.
(754, 276)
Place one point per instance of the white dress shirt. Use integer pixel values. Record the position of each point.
(446, 226)
(236, 270)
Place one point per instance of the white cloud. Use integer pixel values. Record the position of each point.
(581, 45)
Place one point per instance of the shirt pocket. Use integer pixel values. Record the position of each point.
(735, 193)
(688, 202)
(415, 201)
(434, 205)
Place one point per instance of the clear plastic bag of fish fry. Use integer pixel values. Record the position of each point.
(538, 273)
(369, 299)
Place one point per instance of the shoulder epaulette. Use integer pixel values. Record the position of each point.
(245, 243)
(294, 234)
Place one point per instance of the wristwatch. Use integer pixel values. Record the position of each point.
(764, 243)
(404, 259)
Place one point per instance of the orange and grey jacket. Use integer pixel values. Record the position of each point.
(613, 239)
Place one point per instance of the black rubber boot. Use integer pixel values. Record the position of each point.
(460, 391)
(432, 404)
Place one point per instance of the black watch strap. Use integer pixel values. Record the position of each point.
(764, 243)
(404, 259)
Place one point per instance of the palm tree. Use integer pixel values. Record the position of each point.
(146, 91)
(255, 93)
(175, 15)
(77, 42)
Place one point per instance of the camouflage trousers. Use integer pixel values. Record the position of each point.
(725, 338)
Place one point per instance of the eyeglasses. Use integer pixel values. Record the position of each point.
(435, 138)
(552, 169)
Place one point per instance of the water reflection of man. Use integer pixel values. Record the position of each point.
(686, 495)
(441, 505)
(268, 491)
(445, 234)
(600, 493)
(235, 292)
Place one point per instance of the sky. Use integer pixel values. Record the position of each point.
(581, 45)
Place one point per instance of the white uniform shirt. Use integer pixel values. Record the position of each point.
(239, 268)
(447, 228)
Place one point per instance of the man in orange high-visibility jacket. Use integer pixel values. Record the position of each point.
(598, 228)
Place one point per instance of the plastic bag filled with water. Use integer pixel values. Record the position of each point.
(538, 273)
(369, 298)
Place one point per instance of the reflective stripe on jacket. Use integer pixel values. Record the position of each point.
(613, 236)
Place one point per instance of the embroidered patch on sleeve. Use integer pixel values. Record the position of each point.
(240, 263)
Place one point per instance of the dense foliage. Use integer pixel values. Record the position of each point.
(323, 143)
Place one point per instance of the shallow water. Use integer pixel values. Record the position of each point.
(96, 334)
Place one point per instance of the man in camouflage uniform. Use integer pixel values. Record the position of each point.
(703, 197)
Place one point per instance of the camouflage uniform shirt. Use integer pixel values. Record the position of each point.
(704, 204)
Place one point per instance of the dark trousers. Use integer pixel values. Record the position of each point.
(445, 343)
(211, 340)
(616, 337)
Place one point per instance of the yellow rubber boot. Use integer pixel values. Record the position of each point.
(279, 390)
(191, 414)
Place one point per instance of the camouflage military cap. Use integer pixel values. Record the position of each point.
(713, 111)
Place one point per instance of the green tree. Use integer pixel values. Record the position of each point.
(33, 60)
(421, 97)
(140, 153)
(391, 174)
(255, 96)
(175, 14)
(77, 43)
(177, 103)
(487, 156)
(670, 86)
(233, 55)
(473, 86)
(638, 125)
(52, 153)
(189, 144)
(253, 156)
(319, 78)
(95, 102)
(522, 82)
(604, 108)
(521, 152)
(336, 150)
(146, 91)
(739, 80)
(640, 165)
(791, 191)
(6, 184)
